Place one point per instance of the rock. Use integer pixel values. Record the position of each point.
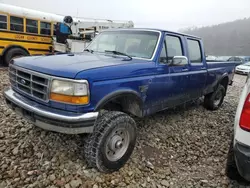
(148, 179)
(1, 134)
(98, 179)
(95, 186)
(60, 182)
(30, 173)
(165, 183)
(149, 165)
(130, 173)
(33, 185)
(67, 186)
(75, 183)
(3, 184)
(66, 172)
(159, 186)
(204, 181)
(167, 172)
(17, 179)
(15, 150)
(2, 148)
(144, 184)
(52, 177)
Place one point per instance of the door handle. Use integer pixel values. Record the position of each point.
(203, 68)
(183, 70)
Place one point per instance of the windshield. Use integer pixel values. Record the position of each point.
(247, 59)
(247, 64)
(139, 44)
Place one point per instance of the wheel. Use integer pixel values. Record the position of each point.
(13, 53)
(111, 144)
(214, 100)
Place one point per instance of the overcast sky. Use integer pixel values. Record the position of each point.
(166, 14)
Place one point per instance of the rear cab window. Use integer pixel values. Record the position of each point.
(194, 51)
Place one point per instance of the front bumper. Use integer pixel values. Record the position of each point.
(49, 118)
(241, 71)
(242, 158)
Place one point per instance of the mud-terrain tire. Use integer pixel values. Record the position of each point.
(111, 144)
(214, 100)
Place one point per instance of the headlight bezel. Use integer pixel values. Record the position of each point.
(73, 81)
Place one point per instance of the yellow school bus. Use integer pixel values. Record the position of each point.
(25, 32)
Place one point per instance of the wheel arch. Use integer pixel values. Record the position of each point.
(9, 47)
(224, 80)
(129, 101)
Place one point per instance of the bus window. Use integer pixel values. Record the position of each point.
(45, 28)
(3, 22)
(31, 26)
(16, 23)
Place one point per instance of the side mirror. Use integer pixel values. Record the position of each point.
(179, 61)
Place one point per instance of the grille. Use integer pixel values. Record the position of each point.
(29, 82)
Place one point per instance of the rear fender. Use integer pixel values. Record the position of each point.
(224, 76)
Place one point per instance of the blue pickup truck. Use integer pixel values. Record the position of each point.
(121, 74)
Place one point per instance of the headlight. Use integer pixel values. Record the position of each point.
(70, 91)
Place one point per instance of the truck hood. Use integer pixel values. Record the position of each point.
(68, 65)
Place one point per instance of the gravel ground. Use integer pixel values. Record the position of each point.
(184, 147)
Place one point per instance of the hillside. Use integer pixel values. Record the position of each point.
(227, 39)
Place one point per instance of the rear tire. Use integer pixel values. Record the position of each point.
(13, 53)
(111, 144)
(214, 100)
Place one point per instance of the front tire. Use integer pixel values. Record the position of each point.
(111, 144)
(214, 100)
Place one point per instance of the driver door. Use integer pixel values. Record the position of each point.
(170, 85)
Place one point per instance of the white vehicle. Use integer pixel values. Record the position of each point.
(238, 162)
(83, 31)
(243, 68)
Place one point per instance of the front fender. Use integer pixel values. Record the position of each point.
(116, 94)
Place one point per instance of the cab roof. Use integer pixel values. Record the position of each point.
(160, 30)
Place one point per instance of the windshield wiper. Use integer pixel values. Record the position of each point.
(88, 50)
(118, 53)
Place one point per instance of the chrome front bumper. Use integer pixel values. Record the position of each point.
(48, 118)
